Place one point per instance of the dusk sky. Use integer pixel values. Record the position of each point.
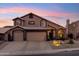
(55, 12)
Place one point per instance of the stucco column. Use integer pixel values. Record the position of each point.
(24, 35)
(56, 33)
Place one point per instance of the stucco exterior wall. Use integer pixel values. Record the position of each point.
(35, 19)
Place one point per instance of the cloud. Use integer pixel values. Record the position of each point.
(55, 16)
(23, 10)
(5, 22)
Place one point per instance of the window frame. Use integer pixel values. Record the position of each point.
(31, 22)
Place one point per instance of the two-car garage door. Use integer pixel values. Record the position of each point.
(36, 36)
(30, 36)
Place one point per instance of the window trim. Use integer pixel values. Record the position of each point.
(30, 22)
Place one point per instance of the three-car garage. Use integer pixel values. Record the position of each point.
(24, 34)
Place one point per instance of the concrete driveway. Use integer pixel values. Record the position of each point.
(25, 46)
(37, 46)
(29, 48)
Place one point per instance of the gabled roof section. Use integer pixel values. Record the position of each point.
(43, 19)
(7, 26)
(3, 30)
(20, 18)
(28, 14)
(36, 28)
(31, 28)
(17, 18)
(74, 22)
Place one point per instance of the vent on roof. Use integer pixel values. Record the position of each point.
(30, 15)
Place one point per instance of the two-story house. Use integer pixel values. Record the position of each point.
(31, 27)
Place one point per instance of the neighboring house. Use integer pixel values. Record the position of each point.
(31, 27)
(74, 29)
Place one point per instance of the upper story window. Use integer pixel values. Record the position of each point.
(43, 23)
(31, 22)
(18, 22)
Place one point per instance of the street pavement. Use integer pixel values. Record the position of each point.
(64, 53)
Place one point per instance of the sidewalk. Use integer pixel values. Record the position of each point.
(19, 53)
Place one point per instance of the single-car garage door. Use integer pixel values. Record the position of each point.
(36, 36)
(18, 35)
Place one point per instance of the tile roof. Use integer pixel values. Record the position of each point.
(36, 28)
(3, 30)
(39, 17)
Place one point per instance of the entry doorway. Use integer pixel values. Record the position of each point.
(10, 37)
(51, 35)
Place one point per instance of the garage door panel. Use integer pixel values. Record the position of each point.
(18, 35)
(36, 36)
